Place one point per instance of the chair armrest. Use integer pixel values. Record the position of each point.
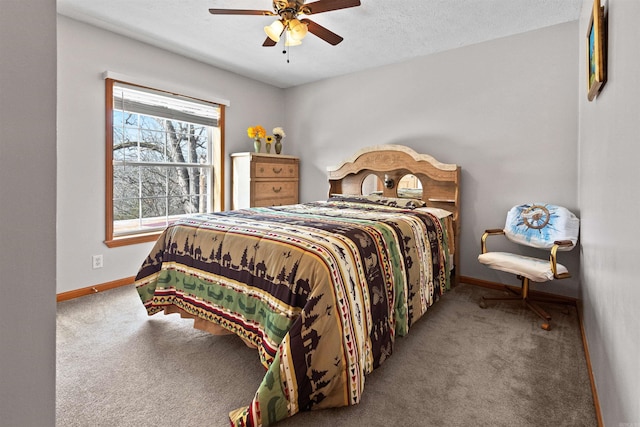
(494, 231)
(487, 233)
(554, 260)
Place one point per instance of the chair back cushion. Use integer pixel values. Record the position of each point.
(540, 224)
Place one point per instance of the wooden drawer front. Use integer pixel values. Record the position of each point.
(276, 170)
(276, 202)
(268, 190)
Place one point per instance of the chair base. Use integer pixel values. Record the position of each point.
(529, 302)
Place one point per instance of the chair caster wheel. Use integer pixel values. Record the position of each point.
(546, 326)
(482, 304)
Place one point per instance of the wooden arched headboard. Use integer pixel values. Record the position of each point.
(440, 181)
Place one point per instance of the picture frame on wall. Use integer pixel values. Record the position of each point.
(596, 51)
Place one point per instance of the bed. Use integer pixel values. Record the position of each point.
(320, 289)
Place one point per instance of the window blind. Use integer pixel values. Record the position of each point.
(165, 105)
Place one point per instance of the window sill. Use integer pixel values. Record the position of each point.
(132, 240)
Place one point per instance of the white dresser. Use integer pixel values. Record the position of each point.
(260, 179)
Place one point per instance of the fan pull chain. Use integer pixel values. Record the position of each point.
(286, 51)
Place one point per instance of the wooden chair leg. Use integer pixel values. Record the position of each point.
(537, 309)
(530, 303)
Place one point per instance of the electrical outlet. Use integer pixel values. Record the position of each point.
(96, 261)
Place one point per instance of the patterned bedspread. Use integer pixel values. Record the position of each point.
(321, 289)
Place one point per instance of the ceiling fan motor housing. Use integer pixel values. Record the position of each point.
(288, 10)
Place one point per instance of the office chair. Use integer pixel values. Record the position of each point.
(543, 226)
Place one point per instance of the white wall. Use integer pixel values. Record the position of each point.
(504, 110)
(27, 212)
(84, 53)
(609, 202)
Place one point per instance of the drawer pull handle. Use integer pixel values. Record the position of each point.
(277, 170)
(276, 190)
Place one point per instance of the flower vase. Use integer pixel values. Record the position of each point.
(268, 147)
(278, 145)
(257, 144)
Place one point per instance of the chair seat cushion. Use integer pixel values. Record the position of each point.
(536, 269)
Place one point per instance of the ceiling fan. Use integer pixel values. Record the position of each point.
(292, 20)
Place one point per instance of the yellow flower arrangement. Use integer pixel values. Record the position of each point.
(256, 132)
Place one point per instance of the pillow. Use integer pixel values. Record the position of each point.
(440, 213)
(410, 193)
(379, 200)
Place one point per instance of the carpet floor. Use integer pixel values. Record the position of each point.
(459, 365)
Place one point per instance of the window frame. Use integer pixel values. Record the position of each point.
(217, 159)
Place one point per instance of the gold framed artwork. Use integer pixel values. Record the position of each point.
(596, 51)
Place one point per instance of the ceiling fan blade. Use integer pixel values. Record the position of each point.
(268, 42)
(329, 5)
(241, 12)
(320, 31)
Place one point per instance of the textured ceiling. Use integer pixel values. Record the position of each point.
(376, 33)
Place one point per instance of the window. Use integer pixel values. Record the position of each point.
(164, 160)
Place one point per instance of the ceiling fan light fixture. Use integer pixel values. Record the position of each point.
(298, 30)
(274, 30)
(292, 41)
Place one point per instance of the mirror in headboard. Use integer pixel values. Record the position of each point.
(409, 187)
(371, 184)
